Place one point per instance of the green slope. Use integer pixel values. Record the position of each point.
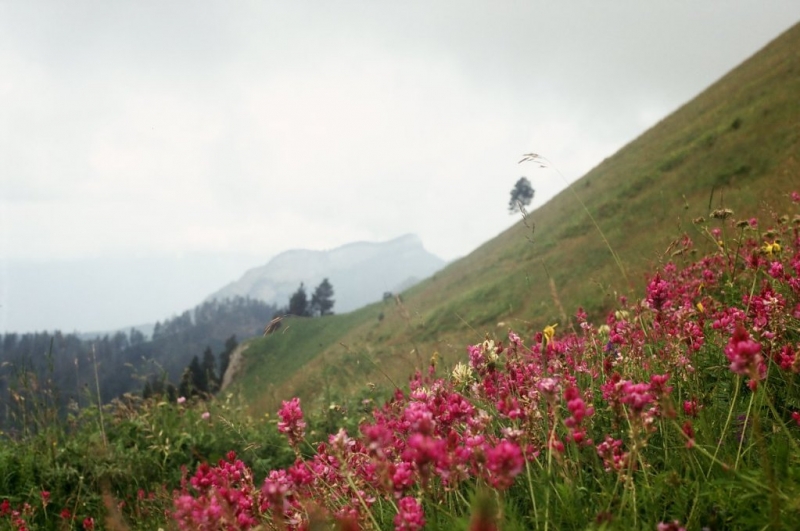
(735, 145)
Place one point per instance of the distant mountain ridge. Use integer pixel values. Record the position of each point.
(360, 272)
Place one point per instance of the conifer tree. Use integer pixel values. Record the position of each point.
(322, 300)
(298, 304)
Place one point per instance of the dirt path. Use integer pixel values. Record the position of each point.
(234, 365)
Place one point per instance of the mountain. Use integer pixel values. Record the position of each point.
(359, 272)
(735, 146)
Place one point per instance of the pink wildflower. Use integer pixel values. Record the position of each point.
(675, 525)
(688, 430)
(292, 423)
(690, 408)
(744, 355)
(577, 407)
(504, 462)
(610, 451)
(410, 516)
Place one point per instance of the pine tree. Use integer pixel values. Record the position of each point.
(521, 194)
(209, 368)
(298, 304)
(322, 300)
(225, 356)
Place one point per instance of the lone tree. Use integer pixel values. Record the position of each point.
(322, 300)
(298, 303)
(521, 194)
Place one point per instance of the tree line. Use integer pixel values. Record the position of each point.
(321, 302)
(62, 365)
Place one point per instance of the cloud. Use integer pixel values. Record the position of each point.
(135, 128)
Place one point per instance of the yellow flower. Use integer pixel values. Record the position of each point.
(548, 332)
(771, 248)
(700, 307)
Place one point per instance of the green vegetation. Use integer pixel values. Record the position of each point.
(734, 146)
(117, 466)
(670, 401)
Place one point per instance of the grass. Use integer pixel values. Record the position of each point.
(734, 145)
(504, 442)
(680, 412)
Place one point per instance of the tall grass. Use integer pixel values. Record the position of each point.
(681, 411)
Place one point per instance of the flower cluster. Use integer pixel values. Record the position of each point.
(513, 408)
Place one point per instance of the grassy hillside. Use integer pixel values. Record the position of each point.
(736, 146)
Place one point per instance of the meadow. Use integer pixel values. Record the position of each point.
(680, 410)
(640, 372)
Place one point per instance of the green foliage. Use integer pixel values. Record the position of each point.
(521, 195)
(733, 146)
(130, 471)
(298, 303)
(322, 300)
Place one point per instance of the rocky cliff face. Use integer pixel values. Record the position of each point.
(359, 272)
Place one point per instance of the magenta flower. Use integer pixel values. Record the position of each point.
(675, 525)
(292, 423)
(504, 463)
(410, 516)
(744, 355)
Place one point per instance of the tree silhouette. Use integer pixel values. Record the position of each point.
(521, 194)
(322, 300)
(298, 303)
(209, 367)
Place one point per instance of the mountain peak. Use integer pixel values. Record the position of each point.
(360, 272)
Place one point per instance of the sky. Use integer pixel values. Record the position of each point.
(151, 152)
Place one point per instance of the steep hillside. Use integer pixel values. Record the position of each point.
(735, 146)
(359, 272)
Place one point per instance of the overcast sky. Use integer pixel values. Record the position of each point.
(152, 151)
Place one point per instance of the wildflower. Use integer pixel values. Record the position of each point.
(181, 399)
(744, 355)
(657, 293)
(65, 514)
(45, 498)
(88, 523)
(5, 508)
(548, 386)
(292, 423)
(722, 213)
(206, 415)
(796, 417)
(577, 407)
(690, 408)
(688, 431)
(776, 270)
(410, 516)
(675, 525)
(610, 451)
(771, 248)
(462, 373)
(504, 462)
(548, 333)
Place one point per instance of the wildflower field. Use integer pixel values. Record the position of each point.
(680, 411)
